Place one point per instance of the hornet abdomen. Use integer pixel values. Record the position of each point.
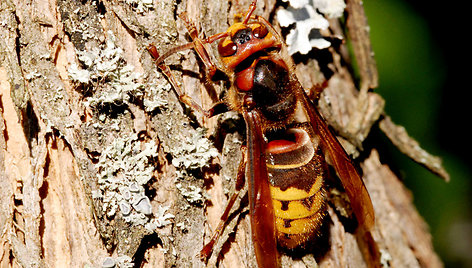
(296, 175)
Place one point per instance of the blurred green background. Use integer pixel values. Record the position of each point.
(423, 61)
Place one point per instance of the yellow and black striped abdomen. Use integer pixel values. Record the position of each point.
(296, 174)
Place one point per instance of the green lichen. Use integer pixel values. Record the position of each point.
(155, 96)
(105, 71)
(195, 151)
(140, 6)
(124, 168)
(122, 261)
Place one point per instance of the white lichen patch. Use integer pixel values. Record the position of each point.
(124, 168)
(195, 151)
(192, 194)
(140, 6)
(308, 17)
(385, 258)
(190, 151)
(123, 261)
(105, 69)
(330, 8)
(161, 218)
(154, 96)
(32, 75)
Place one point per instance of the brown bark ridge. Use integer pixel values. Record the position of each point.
(100, 165)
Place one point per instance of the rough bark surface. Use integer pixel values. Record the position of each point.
(101, 165)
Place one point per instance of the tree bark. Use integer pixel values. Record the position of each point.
(101, 165)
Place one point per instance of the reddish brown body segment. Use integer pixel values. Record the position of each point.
(260, 200)
(287, 140)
